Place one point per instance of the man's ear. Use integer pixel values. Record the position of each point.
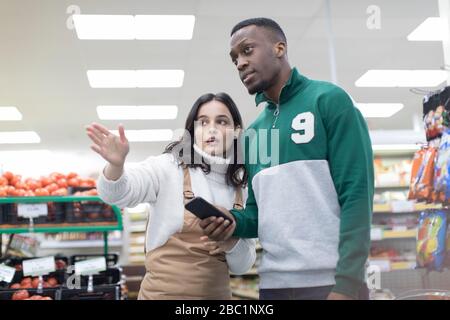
(280, 49)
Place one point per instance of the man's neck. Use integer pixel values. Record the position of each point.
(273, 93)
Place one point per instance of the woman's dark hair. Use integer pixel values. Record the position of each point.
(236, 167)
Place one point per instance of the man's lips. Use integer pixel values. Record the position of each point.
(245, 78)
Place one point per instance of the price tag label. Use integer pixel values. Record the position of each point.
(402, 206)
(400, 228)
(90, 267)
(32, 210)
(38, 267)
(376, 234)
(6, 273)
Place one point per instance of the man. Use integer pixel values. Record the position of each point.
(312, 210)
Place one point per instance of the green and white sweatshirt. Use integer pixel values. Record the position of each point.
(310, 199)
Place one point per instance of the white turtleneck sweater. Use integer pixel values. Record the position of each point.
(159, 181)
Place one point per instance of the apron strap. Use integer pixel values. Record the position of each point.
(238, 200)
(187, 187)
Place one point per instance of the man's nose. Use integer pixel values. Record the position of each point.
(242, 64)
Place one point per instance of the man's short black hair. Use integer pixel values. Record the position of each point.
(267, 23)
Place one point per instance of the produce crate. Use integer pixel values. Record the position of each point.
(104, 292)
(111, 259)
(53, 293)
(56, 214)
(89, 211)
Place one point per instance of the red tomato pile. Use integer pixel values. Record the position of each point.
(55, 184)
(24, 295)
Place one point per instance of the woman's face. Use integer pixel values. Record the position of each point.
(214, 128)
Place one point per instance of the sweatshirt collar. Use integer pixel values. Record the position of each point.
(217, 164)
(294, 84)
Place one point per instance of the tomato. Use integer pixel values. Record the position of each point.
(15, 180)
(62, 183)
(42, 192)
(33, 184)
(74, 182)
(12, 192)
(3, 181)
(60, 192)
(15, 286)
(52, 187)
(8, 175)
(20, 193)
(45, 181)
(72, 175)
(35, 282)
(21, 185)
(52, 282)
(3, 192)
(30, 193)
(20, 295)
(92, 192)
(55, 176)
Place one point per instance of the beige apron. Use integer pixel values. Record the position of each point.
(182, 268)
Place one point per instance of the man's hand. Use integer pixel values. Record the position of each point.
(217, 228)
(338, 296)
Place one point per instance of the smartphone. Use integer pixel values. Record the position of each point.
(203, 209)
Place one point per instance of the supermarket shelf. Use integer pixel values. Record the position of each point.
(67, 244)
(388, 266)
(61, 227)
(412, 208)
(137, 228)
(391, 188)
(252, 272)
(247, 294)
(378, 234)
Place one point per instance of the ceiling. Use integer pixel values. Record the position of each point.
(43, 64)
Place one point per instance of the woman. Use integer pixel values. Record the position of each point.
(181, 263)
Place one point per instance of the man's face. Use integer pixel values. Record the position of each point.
(253, 53)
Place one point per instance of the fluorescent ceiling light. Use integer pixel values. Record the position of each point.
(379, 110)
(153, 135)
(164, 27)
(9, 137)
(395, 147)
(137, 112)
(135, 78)
(10, 114)
(432, 29)
(402, 78)
(128, 27)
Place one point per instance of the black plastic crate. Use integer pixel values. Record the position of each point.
(105, 292)
(73, 190)
(56, 214)
(108, 277)
(14, 261)
(89, 211)
(47, 292)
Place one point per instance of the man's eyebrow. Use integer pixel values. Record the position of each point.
(238, 45)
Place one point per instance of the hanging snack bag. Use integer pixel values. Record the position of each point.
(431, 240)
(416, 164)
(424, 179)
(441, 169)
